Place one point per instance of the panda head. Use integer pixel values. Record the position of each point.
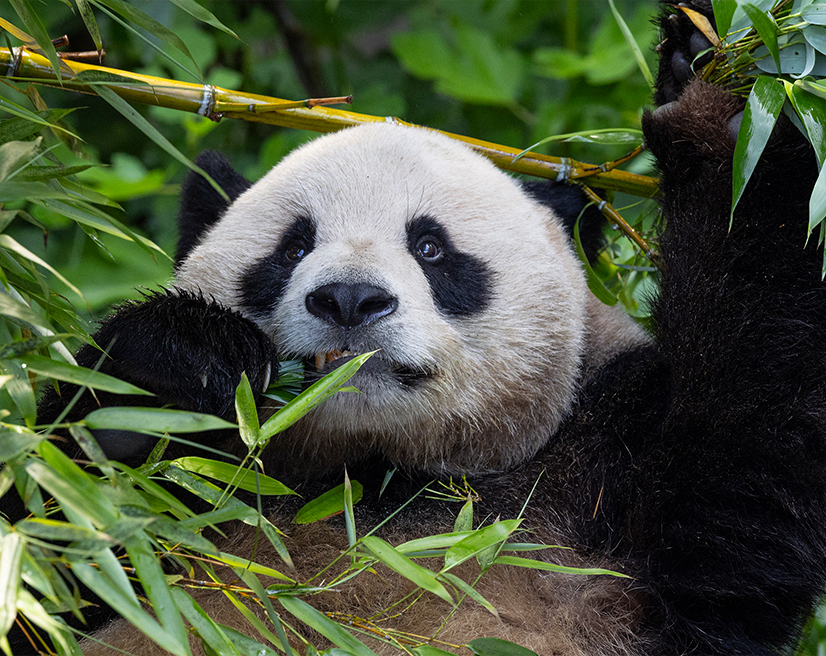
(402, 241)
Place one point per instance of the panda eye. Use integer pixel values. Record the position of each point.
(429, 249)
(295, 251)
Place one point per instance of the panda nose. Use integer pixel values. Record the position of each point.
(350, 304)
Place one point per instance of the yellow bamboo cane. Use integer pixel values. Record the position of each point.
(216, 103)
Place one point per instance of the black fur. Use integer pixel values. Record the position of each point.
(571, 205)
(201, 204)
(265, 283)
(461, 283)
(698, 463)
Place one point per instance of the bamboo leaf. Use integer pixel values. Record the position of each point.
(11, 557)
(766, 29)
(203, 15)
(764, 105)
(52, 529)
(428, 650)
(442, 541)
(142, 20)
(817, 202)
(471, 592)
(85, 11)
(210, 632)
(551, 567)
(312, 397)
(16, 442)
(401, 564)
(497, 647)
(723, 13)
(38, 30)
(14, 152)
(325, 626)
(7, 242)
(247, 413)
(328, 504)
(595, 283)
(78, 375)
(228, 473)
(349, 516)
(464, 520)
(478, 541)
(635, 48)
(811, 109)
(153, 581)
(155, 420)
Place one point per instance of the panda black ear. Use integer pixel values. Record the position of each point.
(201, 204)
(567, 201)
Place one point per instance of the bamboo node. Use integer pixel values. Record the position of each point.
(207, 102)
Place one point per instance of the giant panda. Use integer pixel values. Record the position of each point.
(693, 461)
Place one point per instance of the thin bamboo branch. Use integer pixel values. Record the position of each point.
(216, 103)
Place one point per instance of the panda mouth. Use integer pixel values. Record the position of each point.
(323, 362)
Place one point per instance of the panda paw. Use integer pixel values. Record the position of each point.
(186, 350)
(683, 49)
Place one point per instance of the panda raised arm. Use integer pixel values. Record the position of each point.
(693, 462)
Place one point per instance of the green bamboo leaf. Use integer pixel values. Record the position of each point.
(132, 115)
(16, 441)
(328, 504)
(31, 21)
(52, 529)
(312, 397)
(817, 202)
(7, 242)
(764, 105)
(78, 375)
(85, 11)
(497, 647)
(550, 567)
(11, 557)
(247, 413)
(14, 309)
(37, 173)
(428, 650)
(349, 516)
(471, 592)
(122, 599)
(766, 29)
(209, 632)
(401, 564)
(595, 283)
(136, 16)
(154, 420)
(247, 645)
(203, 15)
(442, 541)
(153, 581)
(19, 129)
(239, 510)
(464, 520)
(228, 473)
(635, 48)
(723, 13)
(14, 153)
(325, 626)
(74, 488)
(251, 566)
(480, 540)
(811, 109)
(255, 585)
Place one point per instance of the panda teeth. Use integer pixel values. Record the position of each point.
(323, 357)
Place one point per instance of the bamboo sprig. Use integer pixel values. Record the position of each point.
(23, 64)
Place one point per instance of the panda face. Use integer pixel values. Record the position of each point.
(373, 239)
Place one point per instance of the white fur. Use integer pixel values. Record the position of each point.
(505, 377)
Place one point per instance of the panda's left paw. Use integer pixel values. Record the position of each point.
(683, 49)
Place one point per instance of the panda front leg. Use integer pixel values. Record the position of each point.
(729, 516)
(187, 350)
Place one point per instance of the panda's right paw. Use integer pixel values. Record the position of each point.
(188, 351)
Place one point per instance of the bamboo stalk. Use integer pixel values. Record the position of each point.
(216, 103)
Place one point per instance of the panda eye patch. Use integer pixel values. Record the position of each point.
(263, 285)
(461, 283)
